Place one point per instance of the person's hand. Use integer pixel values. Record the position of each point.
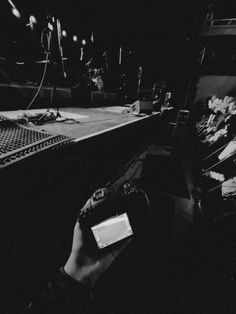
(86, 268)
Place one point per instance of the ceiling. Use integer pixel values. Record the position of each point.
(158, 34)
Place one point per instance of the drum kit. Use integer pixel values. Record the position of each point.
(96, 77)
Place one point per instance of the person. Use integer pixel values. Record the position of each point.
(71, 290)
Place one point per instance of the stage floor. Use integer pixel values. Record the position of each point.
(87, 121)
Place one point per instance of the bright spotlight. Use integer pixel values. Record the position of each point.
(83, 42)
(75, 38)
(50, 26)
(32, 19)
(64, 33)
(14, 9)
(16, 12)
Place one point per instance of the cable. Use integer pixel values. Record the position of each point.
(44, 71)
(146, 196)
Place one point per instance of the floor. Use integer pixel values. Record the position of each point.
(178, 262)
(183, 264)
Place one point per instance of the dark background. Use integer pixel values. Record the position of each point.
(40, 198)
(162, 36)
(158, 35)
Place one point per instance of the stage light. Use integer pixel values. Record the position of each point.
(64, 33)
(83, 42)
(11, 3)
(14, 9)
(75, 38)
(50, 26)
(32, 19)
(16, 13)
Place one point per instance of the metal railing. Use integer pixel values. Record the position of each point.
(220, 22)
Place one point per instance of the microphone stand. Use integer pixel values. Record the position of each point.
(58, 69)
(139, 81)
(106, 60)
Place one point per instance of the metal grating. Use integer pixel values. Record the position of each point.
(17, 141)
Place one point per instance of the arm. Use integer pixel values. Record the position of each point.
(71, 290)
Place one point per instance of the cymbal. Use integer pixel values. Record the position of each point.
(46, 61)
(36, 62)
(42, 61)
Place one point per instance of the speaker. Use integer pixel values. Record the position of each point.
(142, 106)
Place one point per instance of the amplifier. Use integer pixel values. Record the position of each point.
(141, 106)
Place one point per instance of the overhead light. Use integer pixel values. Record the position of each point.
(83, 42)
(32, 19)
(75, 38)
(64, 33)
(16, 13)
(50, 26)
(14, 10)
(11, 3)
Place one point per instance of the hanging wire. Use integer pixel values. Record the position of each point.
(45, 68)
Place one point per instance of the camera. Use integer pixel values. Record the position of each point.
(111, 215)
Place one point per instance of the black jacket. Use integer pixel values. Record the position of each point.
(63, 295)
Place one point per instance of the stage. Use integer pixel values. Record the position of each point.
(42, 193)
(86, 122)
